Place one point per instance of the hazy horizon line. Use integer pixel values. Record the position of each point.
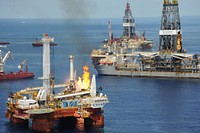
(95, 18)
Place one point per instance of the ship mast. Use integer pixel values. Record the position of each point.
(71, 62)
(128, 22)
(72, 75)
(170, 37)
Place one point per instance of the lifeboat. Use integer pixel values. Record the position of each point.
(109, 62)
(102, 62)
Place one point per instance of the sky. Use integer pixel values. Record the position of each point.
(54, 9)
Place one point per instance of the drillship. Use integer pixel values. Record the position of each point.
(77, 103)
(171, 61)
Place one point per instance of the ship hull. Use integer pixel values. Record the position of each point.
(46, 121)
(111, 71)
(16, 75)
(40, 44)
(4, 43)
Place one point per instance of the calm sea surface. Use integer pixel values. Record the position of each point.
(137, 105)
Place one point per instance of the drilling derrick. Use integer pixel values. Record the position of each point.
(128, 22)
(170, 38)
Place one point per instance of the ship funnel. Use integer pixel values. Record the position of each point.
(71, 61)
(93, 87)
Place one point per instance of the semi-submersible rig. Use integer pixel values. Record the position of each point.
(77, 103)
(171, 60)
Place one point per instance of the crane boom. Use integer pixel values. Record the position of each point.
(20, 66)
(6, 57)
(3, 59)
(110, 32)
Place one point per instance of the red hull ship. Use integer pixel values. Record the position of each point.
(4, 43)
(16, 75)
(13, 75)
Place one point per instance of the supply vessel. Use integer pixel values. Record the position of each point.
(39, 43)
(170, 61)
(4, 43)
(21, 74)
(78, 102)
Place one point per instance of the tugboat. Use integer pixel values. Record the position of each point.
(13, 75)
(78, 102)
(39, 43)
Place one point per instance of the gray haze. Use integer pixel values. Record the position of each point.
(89, 8)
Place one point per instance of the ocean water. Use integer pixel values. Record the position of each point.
(137, 105)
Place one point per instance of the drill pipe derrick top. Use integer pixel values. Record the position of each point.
(166, 2)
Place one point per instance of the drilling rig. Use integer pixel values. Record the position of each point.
(170, 35)
(128, 22)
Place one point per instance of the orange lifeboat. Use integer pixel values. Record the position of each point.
(102, 62)
(109, 62)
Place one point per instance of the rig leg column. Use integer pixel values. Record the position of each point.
(19, 121)
(80, 123)
(98, 120)
(42, 124)
(80, 120)
(95, 121)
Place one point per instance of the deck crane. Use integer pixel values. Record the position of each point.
(110, 32)
(20, 66)
(3, 60)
